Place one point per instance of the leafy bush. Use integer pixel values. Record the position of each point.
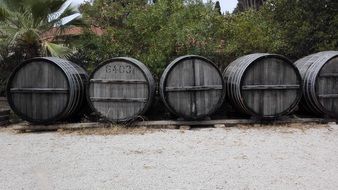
(157, 33)
(154, 34)
(306, 26)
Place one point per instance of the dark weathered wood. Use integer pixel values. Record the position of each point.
(4, 123)
(4, 111)
(228, 122)
(4, 117)
(119, 81)
(269, 87)
(263, 85)
(328, 96)
(96, 99)
(39, 90)
(45, 90)
(195, 123)
(26, 127)
(3, 103)
(192, 87)
(121, 89)
(167, 124)
(320, 82)
(328, 75)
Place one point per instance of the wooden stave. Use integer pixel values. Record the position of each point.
(150, 83)
(5, 111)
(4, 115)
(76, 85)
(83, 79)
(297, 100)
(4, 118)
(72, 94)
(80, 78)
(162, 87)
(4, 123)
(233, 74)
(72, 102)
(233, 78)
(310, 67)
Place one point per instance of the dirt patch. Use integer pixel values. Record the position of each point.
(105, 129)
(110, 130)
(125, 130)
(300, 126)
(5, 129)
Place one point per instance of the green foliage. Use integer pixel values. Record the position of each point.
(248, 32)
(154, 34)
(244, 5)
(24, 23)
(306, 26)
(7, 64)
(157, 33)
(218, 7)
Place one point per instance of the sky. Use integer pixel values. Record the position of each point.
(226, 5)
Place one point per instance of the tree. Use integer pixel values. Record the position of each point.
(249, 32)
(157, 33)
(244, 5)
(152, 33)
(218, 7)
(24, 23)
(307, 26)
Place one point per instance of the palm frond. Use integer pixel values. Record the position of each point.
(4, 12)
(14, 5)
(56, 50)
(29, 25)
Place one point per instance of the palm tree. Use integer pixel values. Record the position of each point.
(25, 23)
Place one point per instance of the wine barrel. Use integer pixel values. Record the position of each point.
(263, 85)
(46, 89)
(192, 87)
(121, 89)
(320, 82)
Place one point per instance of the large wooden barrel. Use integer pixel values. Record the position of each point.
(192, 87)
(263, 85)
(320, 82)
(46, 89)
(121, 89)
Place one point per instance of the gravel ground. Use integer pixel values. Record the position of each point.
(232, 158)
